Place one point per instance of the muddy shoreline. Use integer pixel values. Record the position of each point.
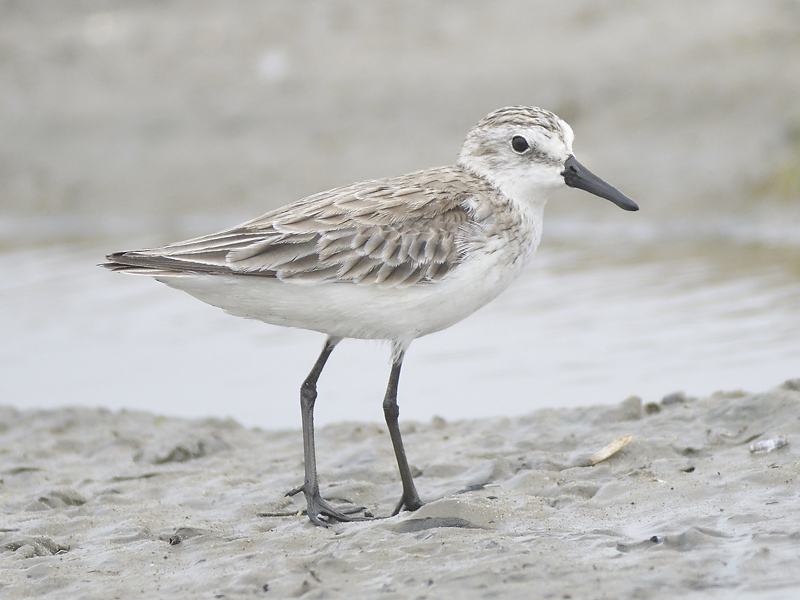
(105, 504)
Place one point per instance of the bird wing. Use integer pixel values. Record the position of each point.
(390, 232)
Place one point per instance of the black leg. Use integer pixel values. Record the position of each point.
(319, 511)
(410, 499)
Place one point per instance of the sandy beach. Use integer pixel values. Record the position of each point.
(147, 441)
(703, 502)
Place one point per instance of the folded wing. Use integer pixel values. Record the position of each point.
(393, 232)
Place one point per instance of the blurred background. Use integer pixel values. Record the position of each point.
(132, 124)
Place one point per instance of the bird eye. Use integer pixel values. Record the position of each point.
(519, 144)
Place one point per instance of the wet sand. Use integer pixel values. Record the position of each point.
(126, 125)
(102, 504)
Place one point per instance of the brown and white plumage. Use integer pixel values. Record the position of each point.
(392, 259)
(391, 233)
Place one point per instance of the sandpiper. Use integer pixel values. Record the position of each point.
(391, 259)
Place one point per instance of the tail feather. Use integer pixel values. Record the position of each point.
(141, 263)
(150, 263)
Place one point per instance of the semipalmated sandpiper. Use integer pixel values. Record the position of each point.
(391, 259)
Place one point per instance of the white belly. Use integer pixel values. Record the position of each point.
(359, 311)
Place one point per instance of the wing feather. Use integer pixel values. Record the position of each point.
(392, 232)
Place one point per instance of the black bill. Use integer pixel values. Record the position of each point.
(578, 176)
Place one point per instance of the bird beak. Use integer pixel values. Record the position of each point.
(577, 176)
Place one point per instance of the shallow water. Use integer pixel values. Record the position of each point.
(594, 319)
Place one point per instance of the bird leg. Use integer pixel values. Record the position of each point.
(319, 511)
(410, 499)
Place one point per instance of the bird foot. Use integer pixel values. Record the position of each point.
(410, 502)
(323, 514)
